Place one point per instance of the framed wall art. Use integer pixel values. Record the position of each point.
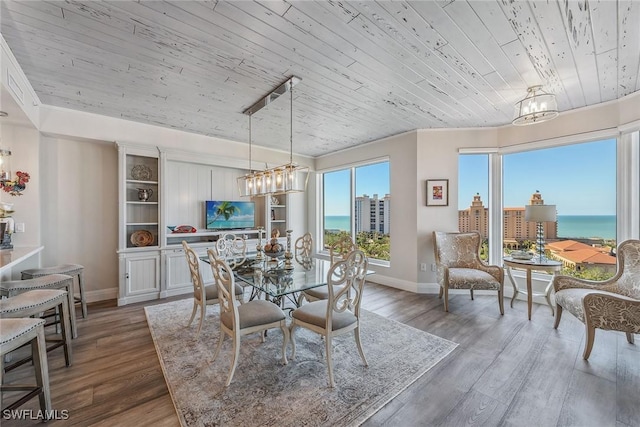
(437, 192)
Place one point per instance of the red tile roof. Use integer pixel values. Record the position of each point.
(587, 256)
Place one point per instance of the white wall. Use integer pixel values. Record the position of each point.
(79, 206)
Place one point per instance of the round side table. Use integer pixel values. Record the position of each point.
(548, 266)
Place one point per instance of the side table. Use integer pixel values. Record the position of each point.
(549, 266)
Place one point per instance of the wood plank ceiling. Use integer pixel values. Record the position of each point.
(369, 69)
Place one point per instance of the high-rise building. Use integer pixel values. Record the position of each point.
(373, 213)
(515, 228)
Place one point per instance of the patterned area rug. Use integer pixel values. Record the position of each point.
(265, 393)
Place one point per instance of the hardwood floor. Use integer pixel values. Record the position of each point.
(506, 370)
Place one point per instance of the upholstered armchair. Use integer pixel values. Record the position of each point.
(612, 304)
(458, 266)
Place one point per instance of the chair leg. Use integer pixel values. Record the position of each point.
(501, 302)
(329, 347)
(39, 349)
(356, 332)
(285, 341)
(629, 337)
(591, 333)
(83, 301)
(236, 356)
(558, 316)
(203, 312)
(471, 290)
(446, 300)
(292, 329)
(219, 346)
(193, 312)
(300, 299)
(440, 293)
(66, 333)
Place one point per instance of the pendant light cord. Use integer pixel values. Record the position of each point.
(291, 122)
(250, 170)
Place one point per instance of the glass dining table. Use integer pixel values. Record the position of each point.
(271, 277)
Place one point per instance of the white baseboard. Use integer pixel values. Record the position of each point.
(101, 295)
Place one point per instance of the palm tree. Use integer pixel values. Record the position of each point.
(226, 209)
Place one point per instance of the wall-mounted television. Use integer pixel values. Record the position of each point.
(229, 215)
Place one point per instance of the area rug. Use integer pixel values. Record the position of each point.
(265, 393)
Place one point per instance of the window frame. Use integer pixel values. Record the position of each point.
(352, 205)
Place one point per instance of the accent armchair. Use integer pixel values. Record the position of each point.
(458, 266)
(612, 304)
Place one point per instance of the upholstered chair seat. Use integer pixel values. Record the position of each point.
(254, 313)
(315, 313)
(73, 270)
(469, 278)
(612, 304)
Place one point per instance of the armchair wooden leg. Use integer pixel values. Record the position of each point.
(558, 316)
(591, 334)
(236, 356)
(471, 290)
(440, 293)
(501, 302)
(446, 300)
(629, 337)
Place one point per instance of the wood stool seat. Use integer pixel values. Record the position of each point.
(74, 270)
(33, 303)
(54, 281)
(14, 333)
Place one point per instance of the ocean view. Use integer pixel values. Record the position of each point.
(602, 226)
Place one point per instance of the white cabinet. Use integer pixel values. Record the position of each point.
(177, 277)
(139, 277)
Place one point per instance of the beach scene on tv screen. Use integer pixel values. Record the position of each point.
(224, 214)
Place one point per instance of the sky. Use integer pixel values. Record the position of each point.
(370, 180)
(580, 179)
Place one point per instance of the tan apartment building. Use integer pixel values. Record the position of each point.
(515, 228)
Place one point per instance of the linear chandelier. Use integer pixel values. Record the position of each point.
(538, 106)
(284, 179)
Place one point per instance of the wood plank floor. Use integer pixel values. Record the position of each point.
(506, 370)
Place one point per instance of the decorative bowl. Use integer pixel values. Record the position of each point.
(274, 254)
(522, 255)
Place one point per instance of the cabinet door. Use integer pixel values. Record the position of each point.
(177, 274)
(141, 278)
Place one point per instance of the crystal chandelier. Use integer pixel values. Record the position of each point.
(287, 178)
(538, 106)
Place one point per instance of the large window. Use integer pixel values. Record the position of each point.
(580, 179)
(357, 203)
(473, 197)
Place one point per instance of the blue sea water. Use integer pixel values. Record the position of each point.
(602, 226)
(337, 223)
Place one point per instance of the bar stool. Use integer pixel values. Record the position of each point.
(33, 303)
(75, 270)
(14, 333)
(54, 281)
